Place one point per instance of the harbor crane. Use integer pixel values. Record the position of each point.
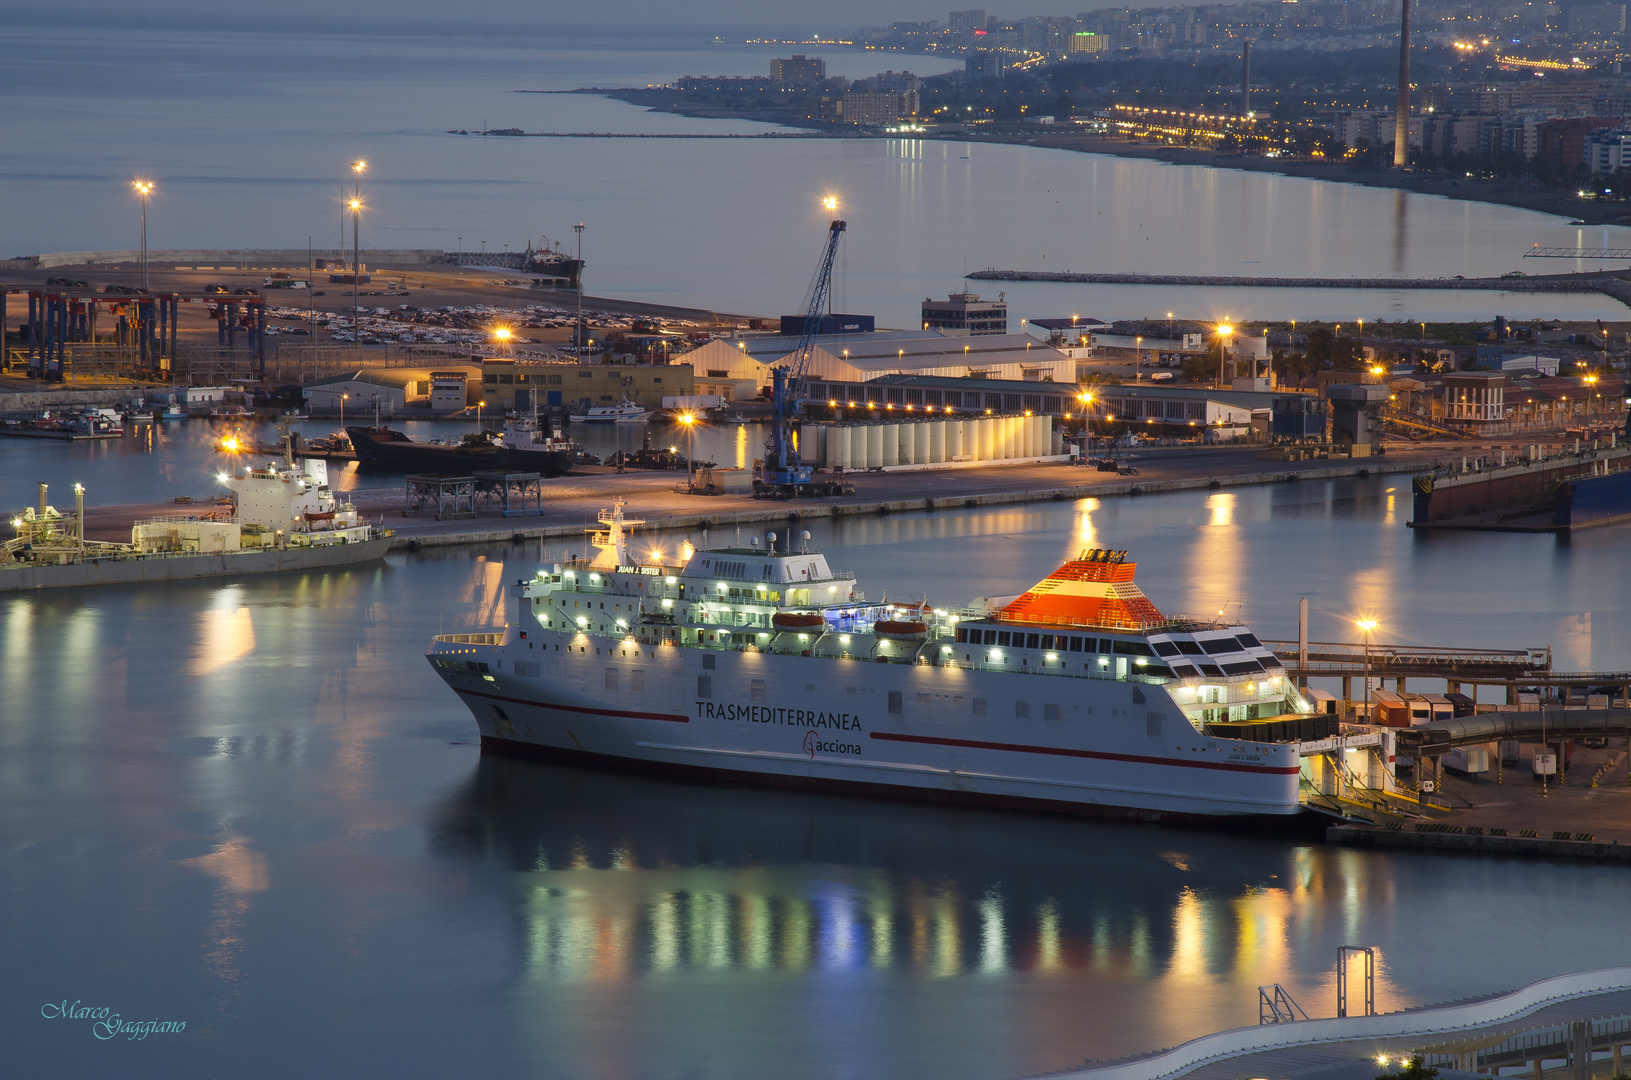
(783, 474)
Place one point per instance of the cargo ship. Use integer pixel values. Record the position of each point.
(766, 665)
(522, 447)
(282, 517)
(1535, 492)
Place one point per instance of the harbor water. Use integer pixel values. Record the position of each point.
(249, 134)
(249, 805)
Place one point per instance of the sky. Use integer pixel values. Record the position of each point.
(710, 16)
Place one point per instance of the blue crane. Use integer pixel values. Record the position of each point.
(784, 474)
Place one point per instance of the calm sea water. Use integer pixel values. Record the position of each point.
(249, 132)
(249, 805)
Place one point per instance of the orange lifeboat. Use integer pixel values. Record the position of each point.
(786, 620)
(901, 630)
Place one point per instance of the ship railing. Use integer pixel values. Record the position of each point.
(471, 639)
(1181, 623)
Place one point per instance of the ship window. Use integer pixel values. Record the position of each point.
(1191, 648)
(705, 686)
(1022, 710)
(1031, 640)
(1003, 638)
(1047, 641)
(894, 701)
(1245, 667)
(1075, 644)
(1166, 648)
(708, 662)
(611, 678)
(990, 637)
(962, 634)
(1107, 644)
(1050, 712)
(637, 681)
(1219, 646)
(979, 706)
(1211, 669)
(1134, 648)
(756, 690)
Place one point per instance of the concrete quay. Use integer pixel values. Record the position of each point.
(1587, 816)
(572, 502)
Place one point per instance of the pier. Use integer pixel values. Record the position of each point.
(1610, 284)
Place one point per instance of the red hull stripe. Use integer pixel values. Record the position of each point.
(1059, 751)
(673, 718)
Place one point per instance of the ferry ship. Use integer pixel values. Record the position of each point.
(767, 665)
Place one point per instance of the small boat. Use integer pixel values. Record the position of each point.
(231, 412)
(626, 413)
(901, 630)
(174, 412)
(293, 417)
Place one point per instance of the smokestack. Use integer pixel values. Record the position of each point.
(1401, 118)
(1246, 77)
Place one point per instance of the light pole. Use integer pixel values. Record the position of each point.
(578, 228)
(342, 410)
(479, 404)
(1224, 330)
(690, 422)
(356, 261)
(1366, 626)
(503, 335)
(1138, 357)
(143, 188)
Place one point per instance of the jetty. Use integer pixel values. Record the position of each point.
(1615, 285)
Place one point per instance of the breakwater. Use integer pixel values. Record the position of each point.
(1613, 285)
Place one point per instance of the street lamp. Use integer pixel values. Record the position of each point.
(1224, 330)
(356, 261)
(578, 336)
(1366, 626)
(502, 335)
(342, 410)
(690, 422)
(479, 404)
(144, 188)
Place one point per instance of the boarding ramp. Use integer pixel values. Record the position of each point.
(1437, 736)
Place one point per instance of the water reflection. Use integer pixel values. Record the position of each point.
(621, 877)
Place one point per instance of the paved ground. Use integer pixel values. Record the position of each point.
(571, 501)
(1515, 802)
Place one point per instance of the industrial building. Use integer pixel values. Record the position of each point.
(521, 385)
(438, 391)
(934, 393)
(861, 358)
(964, 314)
(1159, 409)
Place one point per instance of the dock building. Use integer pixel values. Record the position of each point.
(520, 385)
(964, 314)
(438, 391)
(861, 358)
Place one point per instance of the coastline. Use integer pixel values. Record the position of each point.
(1559, 204)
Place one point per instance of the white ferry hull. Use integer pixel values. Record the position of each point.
(1086, 746)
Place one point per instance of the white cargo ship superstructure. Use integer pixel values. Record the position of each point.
(769, 666)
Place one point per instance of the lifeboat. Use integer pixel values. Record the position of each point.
(901, 630)
(786, 620)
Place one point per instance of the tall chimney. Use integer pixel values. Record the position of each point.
(1401, 118)
(1246, 77)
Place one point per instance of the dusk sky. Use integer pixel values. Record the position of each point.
(710, 15)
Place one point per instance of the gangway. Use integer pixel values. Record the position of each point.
(1404, 418)
(1275, 1006)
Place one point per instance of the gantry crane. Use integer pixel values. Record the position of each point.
(782, 474)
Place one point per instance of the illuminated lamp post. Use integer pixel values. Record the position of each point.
(1224, 331)
(690, 422)
(356, 260)
(143, 189)
(1366, 626)
(342, 410)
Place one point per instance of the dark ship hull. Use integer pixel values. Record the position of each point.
(383, 448)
